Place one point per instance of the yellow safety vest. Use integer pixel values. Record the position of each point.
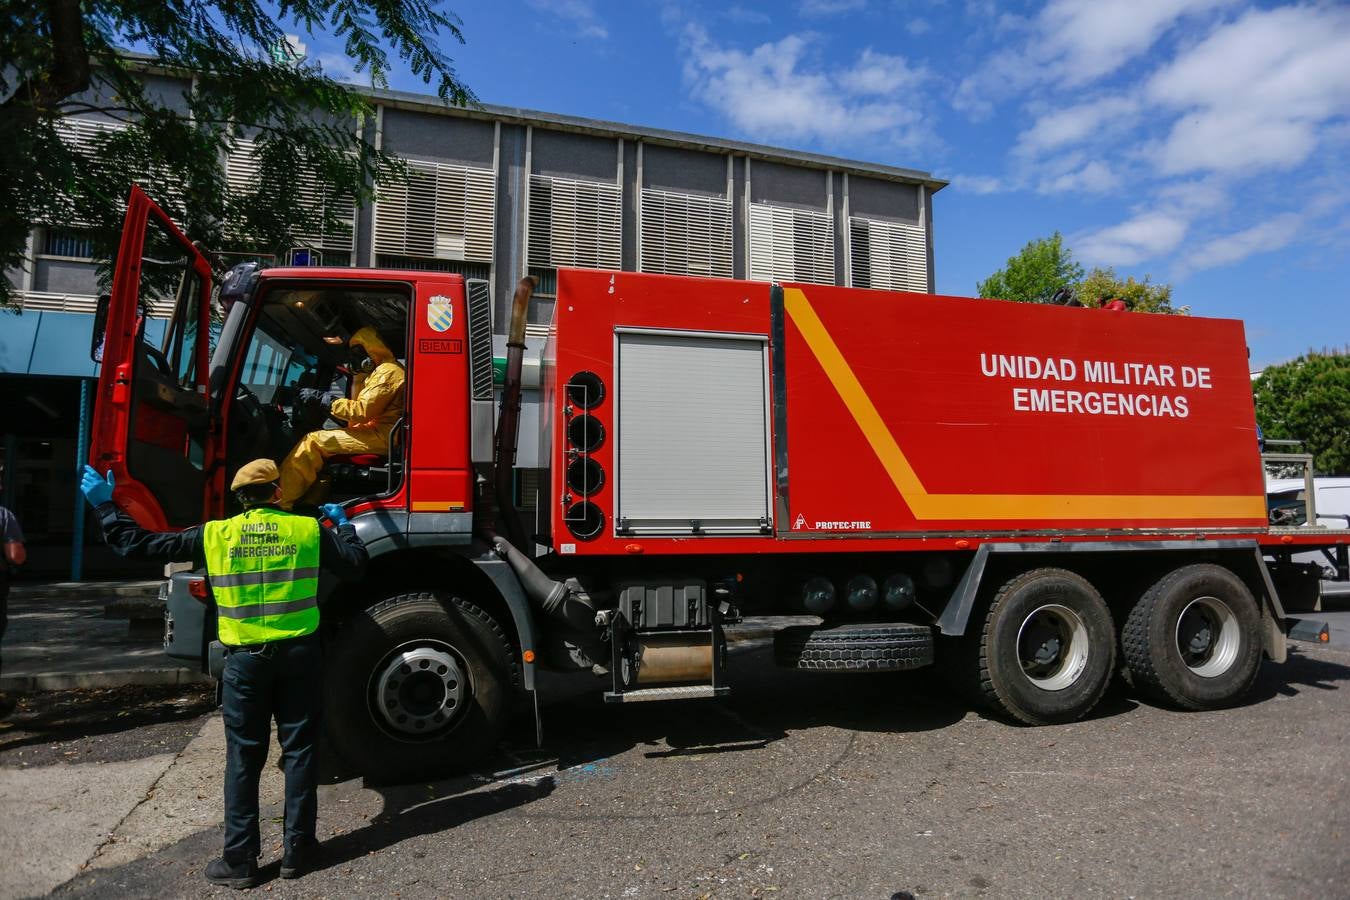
(263, 566)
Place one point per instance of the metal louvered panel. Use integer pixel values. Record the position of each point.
(791, 244)
(480, 338)
(574, 223)
(242, 176)
(890, 256)
(440, 212)
(83, 136)
(686, 234)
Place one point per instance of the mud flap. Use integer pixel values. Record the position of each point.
(1272, 615)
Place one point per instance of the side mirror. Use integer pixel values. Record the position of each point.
(100, 327)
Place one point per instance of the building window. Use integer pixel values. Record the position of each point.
(242, 175)
(546, 282)
(442, 213)
(70, 242)
(574, 223)
(788, 244)
(888, 256)
(685, 234)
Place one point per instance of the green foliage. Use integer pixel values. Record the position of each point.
(1034, 275)
(67, 56)
(1045, 266)
(1142, 296)
(1308, 399)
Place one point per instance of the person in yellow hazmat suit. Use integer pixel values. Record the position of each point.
(375, 405)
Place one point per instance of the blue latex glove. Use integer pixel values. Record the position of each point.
(96, 490)
(335, 512)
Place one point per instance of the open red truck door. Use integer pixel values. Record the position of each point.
(152, 418)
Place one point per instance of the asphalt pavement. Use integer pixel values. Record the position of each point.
(810, 785)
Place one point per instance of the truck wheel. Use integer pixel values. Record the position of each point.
(418, 686)
(1046, 651)
(1194, 639)
(857, 648)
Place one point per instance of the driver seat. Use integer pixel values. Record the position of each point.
(369, 473)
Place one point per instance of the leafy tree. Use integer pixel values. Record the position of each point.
(68, 56)
(1045, 266)
(1308, 399)
(1142, 296)
(1034, 275)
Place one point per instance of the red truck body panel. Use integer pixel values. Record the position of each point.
(911, 420)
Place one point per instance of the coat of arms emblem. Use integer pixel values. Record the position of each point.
(440, 313)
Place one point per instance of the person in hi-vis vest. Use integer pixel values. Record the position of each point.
(263, 570)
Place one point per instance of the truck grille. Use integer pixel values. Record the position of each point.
(480, 338)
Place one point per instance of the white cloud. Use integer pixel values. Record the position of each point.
(779, 89)
(1092, 38)
(1072, 43)
(1146, 236)
(580, 13)
(743, 16)
(819, 8)
(1265, 237)
(1255, 93)
(1095, 177)
(979, 184)
(918, 27)
(1078, 124)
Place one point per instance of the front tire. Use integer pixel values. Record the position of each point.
(1194, 639)
(419, 686)
(1046, 650)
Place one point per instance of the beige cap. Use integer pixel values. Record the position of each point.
(260, 471)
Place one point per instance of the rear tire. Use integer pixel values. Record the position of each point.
(1194, 639)
(1046, 650)
(418, 686)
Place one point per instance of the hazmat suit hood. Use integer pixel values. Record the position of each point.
(369, 338)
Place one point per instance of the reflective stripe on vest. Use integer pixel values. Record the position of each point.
(263, 566)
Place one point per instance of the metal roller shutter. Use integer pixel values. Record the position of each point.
(692, 444)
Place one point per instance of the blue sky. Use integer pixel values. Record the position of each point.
(1203, 142)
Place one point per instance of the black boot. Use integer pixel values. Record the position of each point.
(299, 858)
(233, 874)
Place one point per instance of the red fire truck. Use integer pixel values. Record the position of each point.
(1034, 497)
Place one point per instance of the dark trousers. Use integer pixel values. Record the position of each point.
(284, 680)
(4, 604)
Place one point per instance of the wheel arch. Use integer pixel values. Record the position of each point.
(471, 569)
(1099, 562)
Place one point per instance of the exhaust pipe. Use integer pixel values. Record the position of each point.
(508, 421)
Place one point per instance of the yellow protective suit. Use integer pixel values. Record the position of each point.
(376, 404)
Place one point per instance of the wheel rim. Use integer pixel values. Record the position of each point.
(1053, 647)
(1208, 637)
(419, 690)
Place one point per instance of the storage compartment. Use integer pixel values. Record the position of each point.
(692, 433)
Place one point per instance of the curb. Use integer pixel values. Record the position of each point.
(73, 681)
(65, 590)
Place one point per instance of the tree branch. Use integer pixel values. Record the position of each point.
(68, 73)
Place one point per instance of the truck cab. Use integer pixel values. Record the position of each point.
(175, 419)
